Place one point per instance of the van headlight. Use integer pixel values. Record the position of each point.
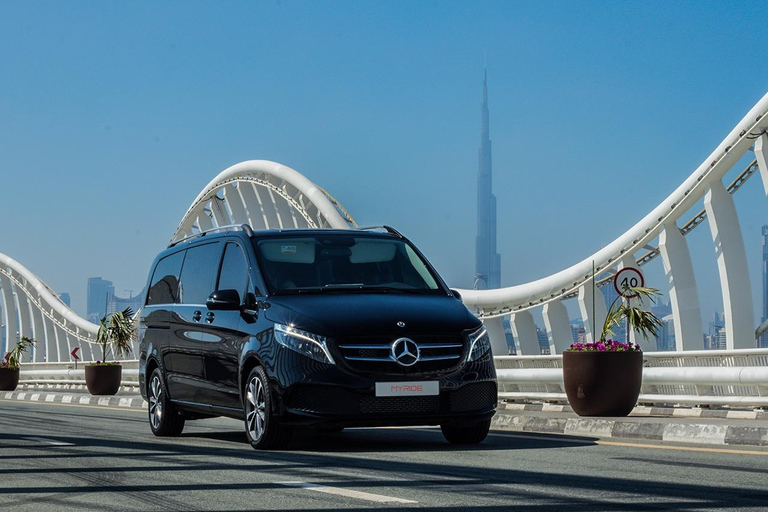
(479, 344)
(306, 343)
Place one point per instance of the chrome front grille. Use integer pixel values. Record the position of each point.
(375, 355)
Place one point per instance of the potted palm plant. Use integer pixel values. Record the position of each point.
(9, 366)
(604, 378)
(116, 332)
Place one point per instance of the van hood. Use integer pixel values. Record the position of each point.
(339, 315)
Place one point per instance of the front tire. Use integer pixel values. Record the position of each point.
(471, 434)
(261, 428)
(164, 418)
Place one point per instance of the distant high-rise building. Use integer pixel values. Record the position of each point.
(666, 339)
(487, 260)
(763, 341)
(66, 299)
(715, 337)
(100, 292)
(543, 339)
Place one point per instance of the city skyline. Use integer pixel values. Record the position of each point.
(600, 111)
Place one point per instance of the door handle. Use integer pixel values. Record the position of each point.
(209, 317)
(196, 316)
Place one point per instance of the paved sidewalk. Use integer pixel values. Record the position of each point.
(680, 425)
(720, 427)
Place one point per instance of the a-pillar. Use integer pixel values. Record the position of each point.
(558, 326)
(524, 330)
(593, 310)
(732, 265)
(683, 294)
(495, 328)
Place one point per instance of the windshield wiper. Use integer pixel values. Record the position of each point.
(343, 286)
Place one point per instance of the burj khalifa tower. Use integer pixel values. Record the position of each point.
(487, 260)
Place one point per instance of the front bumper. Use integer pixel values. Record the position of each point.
(323, 395)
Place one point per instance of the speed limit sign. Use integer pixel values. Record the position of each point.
(628, 277)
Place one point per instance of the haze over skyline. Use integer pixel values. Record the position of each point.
(115, 116)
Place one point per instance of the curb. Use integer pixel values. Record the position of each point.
(675, 412)
(77, 399)
(690, 433)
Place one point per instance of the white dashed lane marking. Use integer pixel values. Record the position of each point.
(378, 498)
(50, 442)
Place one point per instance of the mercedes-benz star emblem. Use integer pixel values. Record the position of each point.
(405, 351)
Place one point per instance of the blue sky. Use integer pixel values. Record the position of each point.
(114, 115)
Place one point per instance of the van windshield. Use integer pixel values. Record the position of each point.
(334, 262)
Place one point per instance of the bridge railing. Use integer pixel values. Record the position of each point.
(704, 377)
(51, 374)
(734, 378)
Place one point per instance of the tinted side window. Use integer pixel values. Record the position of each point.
(164, 288)
(234, 270)
(198, 272)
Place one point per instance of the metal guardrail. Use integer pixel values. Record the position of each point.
(735, 378)
(65, 373)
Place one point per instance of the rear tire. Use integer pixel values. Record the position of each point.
(164, 418)
(471, 434)
(261, 428)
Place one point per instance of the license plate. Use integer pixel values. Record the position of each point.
(419, 388)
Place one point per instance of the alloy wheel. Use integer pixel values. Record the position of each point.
(155, 402)
(256, 408)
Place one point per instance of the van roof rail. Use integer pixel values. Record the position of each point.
(230, 227)
(388, 229)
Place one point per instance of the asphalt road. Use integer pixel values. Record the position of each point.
(65, 457)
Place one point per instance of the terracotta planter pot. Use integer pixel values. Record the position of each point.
(103, 380)
(9, 379)
(602, 383)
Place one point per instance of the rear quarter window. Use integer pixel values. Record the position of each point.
(164, 287)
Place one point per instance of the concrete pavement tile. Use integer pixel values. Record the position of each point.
(695, 433)
(753, 436)
(589, 427)
(547, 425)
(638, 430)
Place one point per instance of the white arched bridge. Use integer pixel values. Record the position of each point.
(269, 195)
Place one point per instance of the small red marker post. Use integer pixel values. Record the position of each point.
(74, 354)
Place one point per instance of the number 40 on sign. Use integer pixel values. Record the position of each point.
(626, 278)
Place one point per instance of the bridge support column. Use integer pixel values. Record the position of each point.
(524, 330)
(219, 211)
(25, 321)
(236, 205)
(683, 294)
(761, 148)
(587, 292)
(732, 265)
(204, 221)
(495, 328)
(39, 335)
(11, 319)
(558, 326)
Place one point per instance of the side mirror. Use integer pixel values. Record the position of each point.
(224, 300)
(456, 294)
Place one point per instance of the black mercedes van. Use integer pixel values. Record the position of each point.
(314, 328)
